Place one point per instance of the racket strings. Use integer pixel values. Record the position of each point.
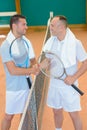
(19, 51)
(56, 68)
(52, 66)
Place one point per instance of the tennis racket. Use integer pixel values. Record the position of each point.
(52, 66)
(19, 51)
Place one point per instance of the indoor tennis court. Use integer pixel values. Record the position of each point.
(36, 34)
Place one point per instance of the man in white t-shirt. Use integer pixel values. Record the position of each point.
(17, 88)
(61, 96)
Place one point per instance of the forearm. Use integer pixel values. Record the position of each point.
(70, 79)
(14, 70)
(21, 71)
(81, 70)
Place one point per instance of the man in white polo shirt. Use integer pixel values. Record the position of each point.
(61, 96)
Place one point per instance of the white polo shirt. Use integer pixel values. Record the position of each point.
(55, 46)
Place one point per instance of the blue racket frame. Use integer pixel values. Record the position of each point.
(26, 60)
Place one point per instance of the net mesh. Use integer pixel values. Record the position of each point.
(33, 112)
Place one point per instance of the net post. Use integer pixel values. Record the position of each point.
(51, 14)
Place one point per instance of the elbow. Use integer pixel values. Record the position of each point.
(85, 64)
(12, 69)
(12, 72)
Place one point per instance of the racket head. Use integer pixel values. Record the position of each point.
(51, 65)
(19, 51)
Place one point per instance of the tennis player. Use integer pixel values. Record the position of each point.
(17, 88)
(61, 96)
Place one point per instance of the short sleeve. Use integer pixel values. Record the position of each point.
(80, 52)
(4, 50)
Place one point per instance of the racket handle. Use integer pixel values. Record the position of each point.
(29, 82)
(77, 89)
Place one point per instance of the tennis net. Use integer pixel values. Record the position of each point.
(33, 112)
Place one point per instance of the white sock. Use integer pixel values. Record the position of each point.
(58, 128)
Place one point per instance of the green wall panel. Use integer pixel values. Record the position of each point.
(6, 6)
(37, 11)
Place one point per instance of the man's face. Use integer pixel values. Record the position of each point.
(20, 27)
(55, 26)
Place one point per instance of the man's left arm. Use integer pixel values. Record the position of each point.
(70, 79)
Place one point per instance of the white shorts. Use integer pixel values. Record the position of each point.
(15, 101)
(64, 97)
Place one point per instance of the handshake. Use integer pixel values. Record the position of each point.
(44, 65)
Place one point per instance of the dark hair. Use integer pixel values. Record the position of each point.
(15, 19)
(63, 19)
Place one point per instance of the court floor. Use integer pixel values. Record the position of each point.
(37, 38)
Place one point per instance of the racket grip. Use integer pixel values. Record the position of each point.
(29, 82)
(77, 89)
